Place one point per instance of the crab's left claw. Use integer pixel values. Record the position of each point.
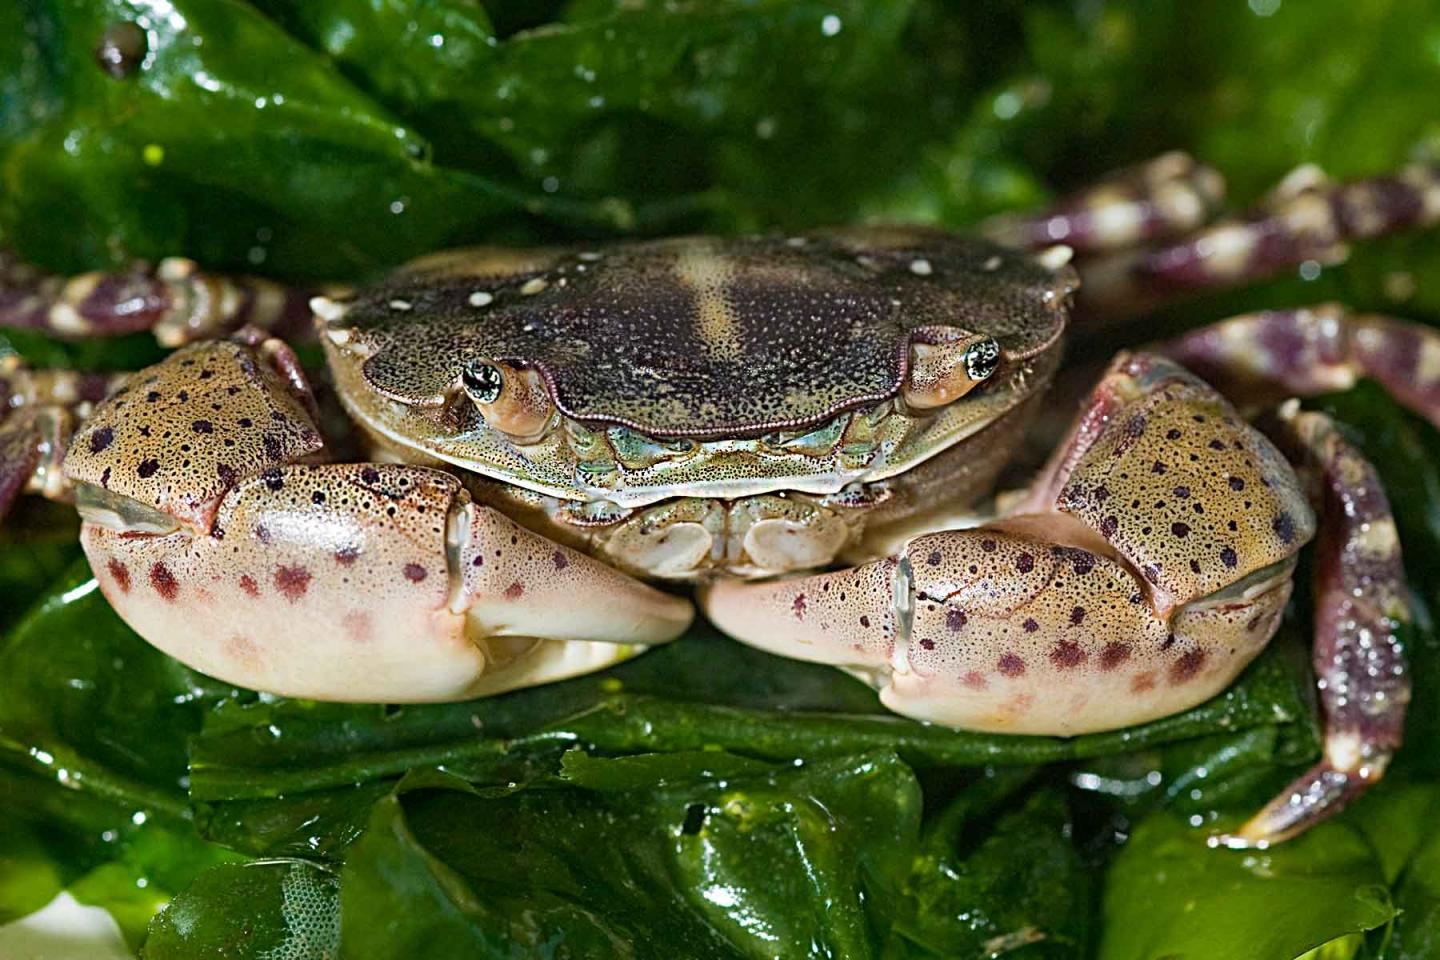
(1131, 584)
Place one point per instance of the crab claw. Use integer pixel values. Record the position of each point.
(1134, 583)
(1008, 631)
(374, 582)
(364, 582)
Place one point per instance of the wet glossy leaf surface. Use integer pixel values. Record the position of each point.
(1168, 895)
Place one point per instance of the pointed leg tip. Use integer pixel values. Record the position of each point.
(1317, 795)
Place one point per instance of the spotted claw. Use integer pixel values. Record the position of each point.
(1147, 567)
(215, 540)
(1010, 629)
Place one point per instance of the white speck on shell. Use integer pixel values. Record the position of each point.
(481, 298)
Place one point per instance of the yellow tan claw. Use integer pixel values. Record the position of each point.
(1010, 632)
(367, 582)
(1147, 566)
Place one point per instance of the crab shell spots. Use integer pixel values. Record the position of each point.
(704, 337)
(1159, 483)
(179, 433)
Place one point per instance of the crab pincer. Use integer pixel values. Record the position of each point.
(217, 535)
(1149, 563)
(1131, 583)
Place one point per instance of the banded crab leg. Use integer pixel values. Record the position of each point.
(1359, 605)
(1359, 581)
(217, 536)
(1166, 197)
(174, 299)
(38, 413)
(1313, 350)
(1145, 568)
(1307, 218)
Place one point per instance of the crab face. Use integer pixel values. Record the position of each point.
(694, 405)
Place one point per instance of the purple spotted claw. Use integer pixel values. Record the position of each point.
(1144, 569)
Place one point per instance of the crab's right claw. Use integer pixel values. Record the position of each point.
(376, 583)
(216, 540)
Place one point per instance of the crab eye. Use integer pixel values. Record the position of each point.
(513, 400)
(946, 363)
(981, 358)
(482, 381)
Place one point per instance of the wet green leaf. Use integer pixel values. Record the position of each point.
(1416, 932)
(271, 908)
(30, 875)
(1168, 895)
(780, 864)
(243, 143)
(93, 729)
(1012, 886)
(91, 706)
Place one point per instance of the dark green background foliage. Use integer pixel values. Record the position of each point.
(704, 800)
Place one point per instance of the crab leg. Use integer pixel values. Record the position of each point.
(1359, 659)
(1315, 350)
(217, 538)
(175, 300)
(1308, 218)
(38, 411)
(1147, 566)
(1166, 197)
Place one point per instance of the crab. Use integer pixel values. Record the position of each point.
(808, 427)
